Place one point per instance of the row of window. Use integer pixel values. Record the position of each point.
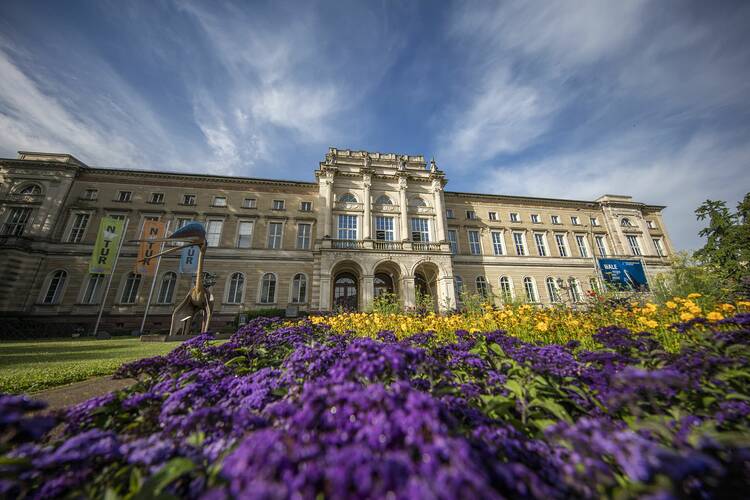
(507, 292)
(384, 228)
(537, 218)
(234, 293)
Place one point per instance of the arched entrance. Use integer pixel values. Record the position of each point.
(345, 292)
(425, 286)
(383, 283)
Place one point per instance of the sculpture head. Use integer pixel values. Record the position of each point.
(192, 233)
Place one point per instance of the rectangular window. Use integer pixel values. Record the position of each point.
(274, 235)
(449, 213)
(471, 214)
(658, 247)
(555, 219)
(594, 222)
(80, 221)
(90, 194)
(303, 236)
(535, 219)
(651, 224)
(305, 206)
(497, 243)
(249, 203)
(562, 246)
(601, 245)
(124, 196)
(493, 215)
(541, 244)
(117, 216)
(213, 232)
(514, 217)
(220, 201)
(188, 199)
(347, 227)
(518, 240)
(582, 247)
(575, 221)
(156, 198)
(384, 228)
(16, 222)
(278, 204)
(91, 294)
(181, 222)
(420, 229)
(453, 240)
(475, 246)
(635, 249)
(244, 234)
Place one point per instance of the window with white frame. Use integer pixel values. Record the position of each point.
(93, 289)
(575, 220)
(90, 194)
(530, 287)
(15, 224)
(594, 285)
(304, 231)
(514, 217)
(420, 229)
(535, 219)
(245, 234)
(250, 203)
(130, 290)
(497, 243)
(449, 213)
(347, 227)
(555, 219)
(213, 232)
(166, 289)
(124, 196)
(453, 240)
(651, 224)
(471, 215)
(78, 227)
(188, 199)
(278, 204)
(220, 201)
(305, 206)
(582, 247)
(554, 294)
(156, 198)
(575, 290)
(658, 246)
(268, 289)
(594, 222)
(625, 222)
(475, 247)
(635, 248)
(506, 289)
(236, 287)
(117, 216)
(458, 284)
(274, 235)
(384, 228)
(562, 245)
(601, 245)
(55, 287)
(482, 288)
(541, 244)
(519, 243)
(299, 289)
(492, 215)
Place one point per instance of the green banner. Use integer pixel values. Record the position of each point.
(107, 243)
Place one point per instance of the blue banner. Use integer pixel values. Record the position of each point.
(624, 274)
(189, 260)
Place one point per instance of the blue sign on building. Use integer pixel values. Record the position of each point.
(624, 274)
(189, 260)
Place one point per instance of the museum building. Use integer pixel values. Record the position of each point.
(369, 223)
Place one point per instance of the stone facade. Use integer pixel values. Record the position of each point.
(370, 222)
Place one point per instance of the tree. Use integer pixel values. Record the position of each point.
(727, 248)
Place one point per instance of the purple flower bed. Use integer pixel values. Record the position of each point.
(282, 412)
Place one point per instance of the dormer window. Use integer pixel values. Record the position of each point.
(383, 200)
(347, 198)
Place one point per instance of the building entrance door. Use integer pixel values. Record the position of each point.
(345, 292)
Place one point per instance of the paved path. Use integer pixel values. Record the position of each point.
(78, 392)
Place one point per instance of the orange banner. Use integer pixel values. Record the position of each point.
(151, 230)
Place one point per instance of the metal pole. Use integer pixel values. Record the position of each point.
(153, 282)
(109, 281)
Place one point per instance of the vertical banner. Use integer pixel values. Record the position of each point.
(106, 247)
(189, 260)
(144, 264)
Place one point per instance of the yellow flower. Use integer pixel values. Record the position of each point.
(652, 324)
(714, 316)
(686, 316)
(694, 295)
(671, 305)
(541, 326)
(727, 307)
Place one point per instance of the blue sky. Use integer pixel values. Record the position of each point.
(568, 99)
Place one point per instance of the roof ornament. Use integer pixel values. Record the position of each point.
(433, 165)
(402, 163)
(366, 161)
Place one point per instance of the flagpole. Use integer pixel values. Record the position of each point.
(109, 281)
(153, 282)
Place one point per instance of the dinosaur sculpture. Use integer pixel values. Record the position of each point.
(199, 298)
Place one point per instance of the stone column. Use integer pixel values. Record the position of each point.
(329, 204)
(446, 294)
(409, 294)
(404, 215)
(368, 288)
(437, 189)
(367, 222)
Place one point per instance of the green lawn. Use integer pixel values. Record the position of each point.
(35, 365)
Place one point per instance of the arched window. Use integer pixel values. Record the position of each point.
(130, 290)
(31, 189)
(530, 287)
(459, 286)
(268, 289)
(575, 290)
(506, 289)
(55, 287)
(347, 198)
(383, 200)
(418, 202)
(93, 289)
(554, 296)
(236, 284)
(166, 290)
(482, 288)
(299, 289)
(625, 222)
(594, 284)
